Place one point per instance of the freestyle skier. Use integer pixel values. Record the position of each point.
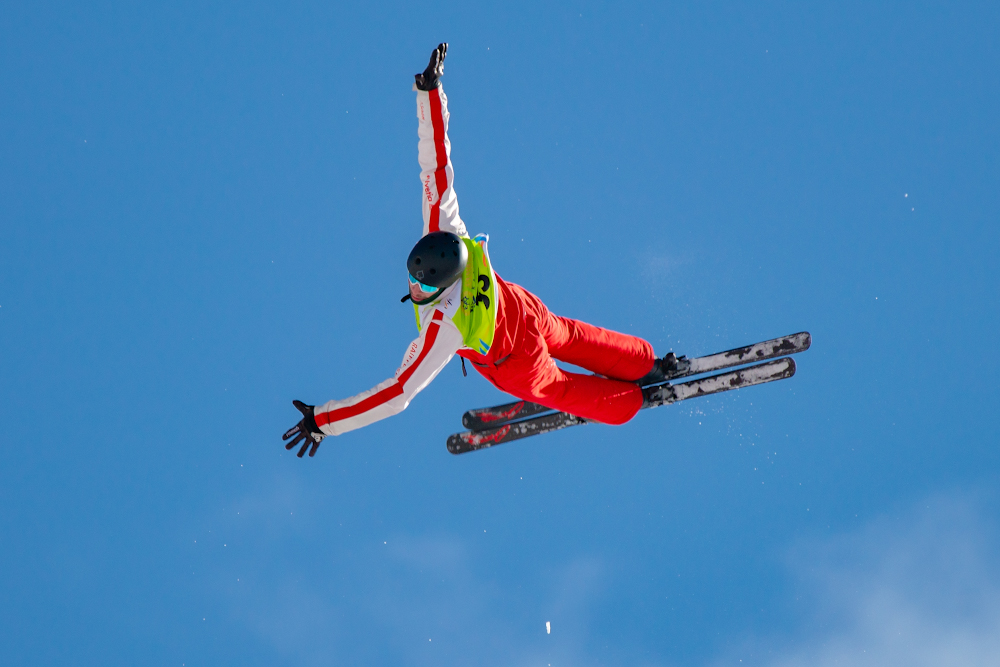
(463, 306)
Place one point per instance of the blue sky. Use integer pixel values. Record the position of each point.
(205, 213)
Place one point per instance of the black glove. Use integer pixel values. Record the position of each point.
(428, 80)
(306, 430)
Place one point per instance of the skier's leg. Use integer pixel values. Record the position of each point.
(529, 372)
(536, 378)
(600, 350)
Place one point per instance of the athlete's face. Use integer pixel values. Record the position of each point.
(418, 294)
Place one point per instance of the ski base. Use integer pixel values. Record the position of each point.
(664, 394)
(482, 419)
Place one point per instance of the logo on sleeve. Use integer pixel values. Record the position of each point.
(427, 189)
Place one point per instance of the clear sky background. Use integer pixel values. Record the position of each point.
(205, 213)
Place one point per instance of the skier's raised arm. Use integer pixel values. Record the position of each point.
(437, 177)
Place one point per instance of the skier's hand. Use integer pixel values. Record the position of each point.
(429, 78)
(306, 431)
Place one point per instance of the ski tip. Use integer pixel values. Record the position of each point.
(454, 445)
(777, 369)
(797, 342)
(457, 444)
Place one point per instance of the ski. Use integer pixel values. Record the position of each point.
(664, 394)
(490, 418)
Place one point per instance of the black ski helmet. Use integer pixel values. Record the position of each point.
(438, 259)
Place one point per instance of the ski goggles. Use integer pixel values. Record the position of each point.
(425, 288)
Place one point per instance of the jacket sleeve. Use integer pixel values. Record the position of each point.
(424, 359)
(440, 203)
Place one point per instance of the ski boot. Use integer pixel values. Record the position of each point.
(664, 368)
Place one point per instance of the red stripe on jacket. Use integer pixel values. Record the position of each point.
(390, 392)
(440, 175)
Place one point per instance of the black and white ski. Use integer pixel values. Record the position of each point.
(663, 394)
(490, 418)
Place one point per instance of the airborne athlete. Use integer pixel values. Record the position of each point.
(463, 306)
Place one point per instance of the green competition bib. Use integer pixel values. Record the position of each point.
(476, 315)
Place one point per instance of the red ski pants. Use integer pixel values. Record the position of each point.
(539, 338)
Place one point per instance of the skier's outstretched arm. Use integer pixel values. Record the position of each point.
(437, 177)
(424, 359)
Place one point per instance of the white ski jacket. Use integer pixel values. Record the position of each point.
(439, 338)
